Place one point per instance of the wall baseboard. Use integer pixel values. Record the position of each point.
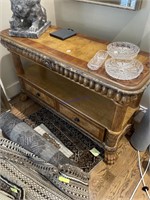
(13, 89)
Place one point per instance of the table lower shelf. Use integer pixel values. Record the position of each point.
(95, 130)
(83, 107)
(92, 112)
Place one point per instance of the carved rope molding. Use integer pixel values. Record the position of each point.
(92, 83)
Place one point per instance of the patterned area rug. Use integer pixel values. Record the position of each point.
(70, 136)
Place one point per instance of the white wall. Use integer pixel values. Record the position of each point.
(49, 6)
(7, 70)
(107, 23)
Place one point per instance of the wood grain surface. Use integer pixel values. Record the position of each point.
(77, 52)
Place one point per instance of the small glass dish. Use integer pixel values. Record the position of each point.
(123, 69)
(96, 62)
(123, 50)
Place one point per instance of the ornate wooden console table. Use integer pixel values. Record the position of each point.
(59, 78)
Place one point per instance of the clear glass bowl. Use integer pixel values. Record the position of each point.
(123, 50)
(123, 69)
(97, 61)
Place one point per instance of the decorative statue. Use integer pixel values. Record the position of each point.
(29, 18)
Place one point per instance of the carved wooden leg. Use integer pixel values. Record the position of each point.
(111, 144)
(110, 157)
(19, 70)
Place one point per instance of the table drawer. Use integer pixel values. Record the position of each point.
(39, 95)
(85, 124)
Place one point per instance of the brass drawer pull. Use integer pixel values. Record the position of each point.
(38, 94)
(76, 119)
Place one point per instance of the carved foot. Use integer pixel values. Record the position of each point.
(23, 97)
(110, 157)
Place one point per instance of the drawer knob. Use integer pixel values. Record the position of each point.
(38, 94)
(76, 119)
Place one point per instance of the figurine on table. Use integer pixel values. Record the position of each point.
(29, 18)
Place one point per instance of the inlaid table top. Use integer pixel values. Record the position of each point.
(76, 52)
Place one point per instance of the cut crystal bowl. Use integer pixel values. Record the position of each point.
(123, 69)
(123, 50)
(96, 62)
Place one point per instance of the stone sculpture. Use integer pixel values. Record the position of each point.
(29, 18)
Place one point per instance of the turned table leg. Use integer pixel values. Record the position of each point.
(111, 144)
(19, 69)
(17, 63)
